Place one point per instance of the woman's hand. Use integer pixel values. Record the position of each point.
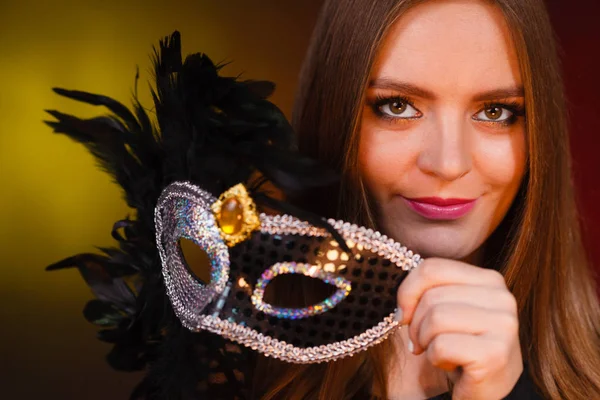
(465, 319)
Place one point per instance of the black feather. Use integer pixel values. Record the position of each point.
(214, 131)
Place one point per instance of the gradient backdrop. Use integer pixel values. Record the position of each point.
(55, 203)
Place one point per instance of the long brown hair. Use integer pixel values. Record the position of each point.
(537, 246)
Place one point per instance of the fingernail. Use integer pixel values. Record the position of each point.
(411, 346)
(398, 315)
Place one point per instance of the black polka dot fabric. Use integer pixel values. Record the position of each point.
(373, 296)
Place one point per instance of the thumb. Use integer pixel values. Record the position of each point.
(455, 374)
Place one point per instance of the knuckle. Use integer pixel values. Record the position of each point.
(427, 268)
(499, 356)
(404, 302)
(510, 324)
(495, 277)
(510, 301)
(423, 333)
(422, 337)
(412, 330)
(437, 350)
(479, 376)
(436, 317)
(429, 298)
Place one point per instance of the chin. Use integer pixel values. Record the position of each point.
(441, 250)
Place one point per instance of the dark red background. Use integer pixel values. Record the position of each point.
(577, 24)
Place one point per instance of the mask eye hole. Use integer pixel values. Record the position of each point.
(312, 271)
(196, 261)
(297, 291)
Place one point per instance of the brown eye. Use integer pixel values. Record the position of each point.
(493, 113)
(397, 107)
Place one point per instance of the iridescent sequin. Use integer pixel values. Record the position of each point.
(344, 287)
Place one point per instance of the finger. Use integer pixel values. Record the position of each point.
(480, 366)
(474, 354)
(462, 318)
(435, 272)
(493, 299)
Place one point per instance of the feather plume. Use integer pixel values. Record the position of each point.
(214, 131)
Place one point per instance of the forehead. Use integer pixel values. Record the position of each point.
(450, 45)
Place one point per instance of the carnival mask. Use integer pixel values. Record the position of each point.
(241, 254)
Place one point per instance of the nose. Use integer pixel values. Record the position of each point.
(446, 152)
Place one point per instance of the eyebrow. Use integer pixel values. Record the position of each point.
(413, 90)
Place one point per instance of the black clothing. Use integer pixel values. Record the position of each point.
(524, 390)
(230, 377)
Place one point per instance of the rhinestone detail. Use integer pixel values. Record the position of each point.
(287, 352)
(344, 287)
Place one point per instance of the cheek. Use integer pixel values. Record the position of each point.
(501, 160)
(384, 158)
(372, 167)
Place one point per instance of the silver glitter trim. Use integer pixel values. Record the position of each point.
(272, 347)
(353, 234)
(188, 296)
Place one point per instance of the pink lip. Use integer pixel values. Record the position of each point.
(441, 209)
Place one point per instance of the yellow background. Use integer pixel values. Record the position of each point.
(54, 202)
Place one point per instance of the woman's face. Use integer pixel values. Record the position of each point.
(442, 139)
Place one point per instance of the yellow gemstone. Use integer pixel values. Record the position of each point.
(231, 218)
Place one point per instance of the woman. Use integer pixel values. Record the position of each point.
(421, 106)
(446, 120)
